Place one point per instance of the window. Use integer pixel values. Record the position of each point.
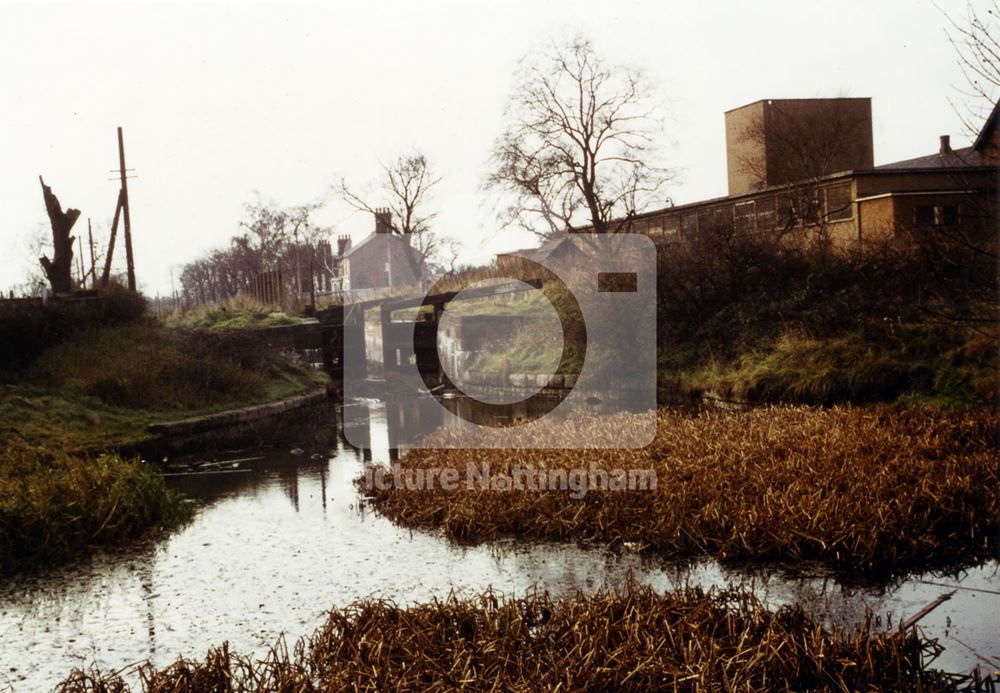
(743, 215)
(946, 215)
(671, 225)
(838, 203)
(765, 213)
(715, 218)
(787, 216)
(689, 224)
(810, 206)
(936, 215)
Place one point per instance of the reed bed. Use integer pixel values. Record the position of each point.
(867, 492)
(55, 506)
(628, 639)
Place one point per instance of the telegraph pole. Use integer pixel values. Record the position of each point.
(125, 215)
(79, 245)
(93, 257)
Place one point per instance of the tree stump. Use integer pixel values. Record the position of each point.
(59, 269)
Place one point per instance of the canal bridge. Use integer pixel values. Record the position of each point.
(385, 330)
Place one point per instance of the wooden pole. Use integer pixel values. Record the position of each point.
(79, 259)
(128, 221)
(93, 255)
(111, 243)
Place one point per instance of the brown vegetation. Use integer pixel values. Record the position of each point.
(864, 491)
(633, 639)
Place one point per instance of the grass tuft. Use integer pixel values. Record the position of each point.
(54, 506)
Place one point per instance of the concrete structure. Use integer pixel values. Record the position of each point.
(858, 203)
(780, 141)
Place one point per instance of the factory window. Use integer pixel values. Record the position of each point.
(936, 215)
(765, 213)
(689, 224)
(743, 215)
(838, 203)
(715, 219)
(787, 214)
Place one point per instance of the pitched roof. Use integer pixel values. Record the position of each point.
(542, 251)
(408, 251)
(367, 239)
(988, 127)
(954, 158)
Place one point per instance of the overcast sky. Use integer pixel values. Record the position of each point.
(221, 100)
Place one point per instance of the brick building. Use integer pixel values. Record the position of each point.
(804, 167)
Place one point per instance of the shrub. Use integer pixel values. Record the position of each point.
(29, 326)
(54, 506)
(144, 366)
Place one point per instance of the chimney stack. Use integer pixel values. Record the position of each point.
(945, 145)
(383, 220)
(343, 244)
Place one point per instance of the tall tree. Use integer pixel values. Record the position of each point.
(579, 144)
(274, 239)
(977, 45)
(406, 184)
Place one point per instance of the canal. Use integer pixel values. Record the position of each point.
(284, 537)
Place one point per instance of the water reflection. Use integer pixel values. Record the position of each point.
(274, 545)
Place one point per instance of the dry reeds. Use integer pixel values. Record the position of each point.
(632, 639)
(865, 491)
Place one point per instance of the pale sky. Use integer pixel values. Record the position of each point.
(221, 100)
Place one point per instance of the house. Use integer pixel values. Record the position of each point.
(804, 168)
(558, 249)
(382, 260)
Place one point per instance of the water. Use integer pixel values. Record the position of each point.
(270, 549)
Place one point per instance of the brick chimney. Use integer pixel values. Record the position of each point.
(383, 220)
(945, 145)
(343, 245)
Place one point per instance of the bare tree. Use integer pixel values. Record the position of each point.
(406, 183)
(274, 229)
(284, 241)
(579, 143)
(977, 44)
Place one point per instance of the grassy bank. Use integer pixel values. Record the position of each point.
(237, 314)
(909, 363)
(867, 492)
(55, 506)
(96, 390)
(762, 321)
(633, 639)
(103, 387)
